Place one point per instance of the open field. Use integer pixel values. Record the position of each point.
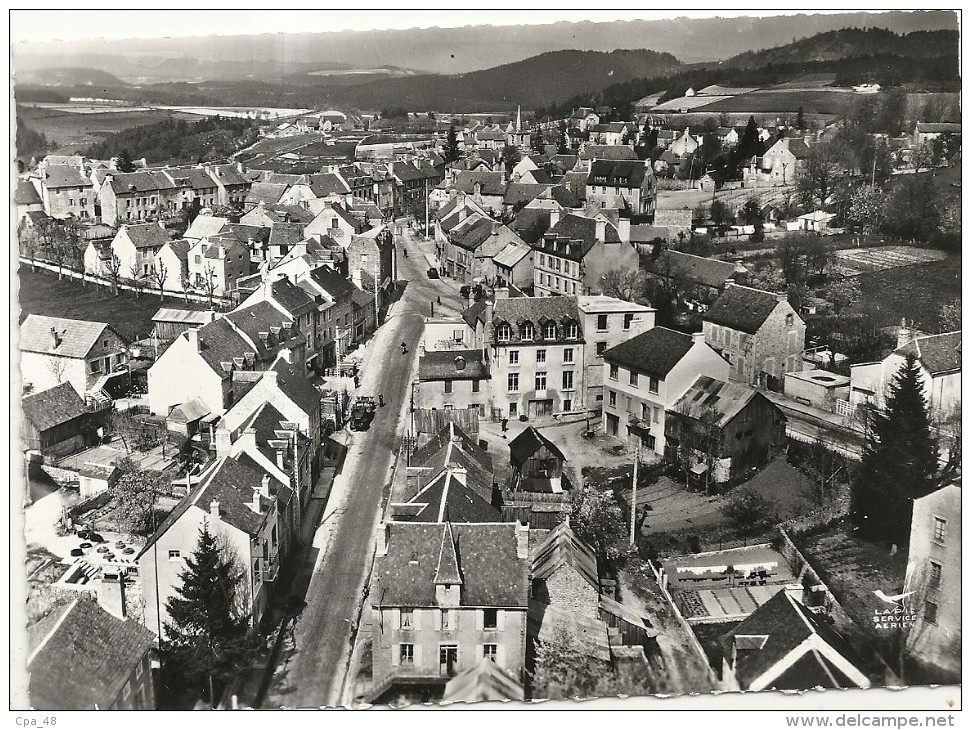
(853, 261)
(131, 316)
(813, 101)
(912, 292)
(75, 132)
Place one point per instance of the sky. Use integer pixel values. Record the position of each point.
(41, 25)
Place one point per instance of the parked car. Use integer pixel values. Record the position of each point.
(433, 273)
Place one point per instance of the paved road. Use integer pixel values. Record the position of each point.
(312, 665)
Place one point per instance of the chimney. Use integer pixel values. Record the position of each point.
(697, 337)
(287, 355)
(280, 454)
(255, 506)
(57, 337)
(194, 340)
(111, 594)
(460, 363)
(782, 297)
(522, 541)
(223, 441)
(623, 229)
(554, 217)
(214, 508)
(601, 229)
(265, 484)
(381, 549)
(248, 438)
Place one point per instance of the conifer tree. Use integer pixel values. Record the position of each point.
(900, 460)
(536, 141)
(562, 142)
(208, 636)
(452, 152)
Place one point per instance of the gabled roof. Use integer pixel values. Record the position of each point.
(521, 193)
(654, 352)
(707, 395)
(527, 443)
(531, 223)
(476, 313)
(292, 297)
(742, 308)
(472, 232)
(293, 384)
(564, 196)
(540, 177)
(286, 234)
(219, 342)
(615, 152)
(511, 255)
(486, 554)
(81, 657)
(228, 175)
(64, 176)
(482, 682)
(535, 309)
(581, 233)
(940, 354)
(182, 316)
(327, 183)
(49, 408)
(444, 365)
(205, 225)
(339, 288)
(76, 337)
(938, 128)
(698, 269)
(26, 194)
(625, 174)
(449, 497)
(146, 235)
(563, 546)
(450, 445)
(491, 182)
(197, 178)
(267, 193)
(447, 572)
(191, 410)
(138, 183)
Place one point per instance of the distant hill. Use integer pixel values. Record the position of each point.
(852, 42)
(68, 76)
(546, 78)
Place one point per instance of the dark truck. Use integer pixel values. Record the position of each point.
(362, 413)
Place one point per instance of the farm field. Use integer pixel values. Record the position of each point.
(853, 261)
(41, 293)
(813, 101)
(913, 292)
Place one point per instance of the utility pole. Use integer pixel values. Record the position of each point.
(426, 210)
(633, 498)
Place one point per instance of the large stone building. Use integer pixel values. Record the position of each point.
(626, 185)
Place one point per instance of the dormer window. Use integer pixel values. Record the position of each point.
(528, 332)
(572, 331)
(550, 331)
(504, 333)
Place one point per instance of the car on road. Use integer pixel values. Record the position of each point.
(432, 273)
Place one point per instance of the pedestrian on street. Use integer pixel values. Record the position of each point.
(381, 400)
(504, 423)
(357, 382)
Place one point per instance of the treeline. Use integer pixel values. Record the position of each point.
(30, 142)
(28, 95)
(176, 141)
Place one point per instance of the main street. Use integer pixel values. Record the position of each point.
(310, 670)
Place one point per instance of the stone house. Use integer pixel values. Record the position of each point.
(130, 197)
(626, 185)
(758, 332)
(450, 379)
(136, 247)
(221, 260)
(57, 422)
(67, 193)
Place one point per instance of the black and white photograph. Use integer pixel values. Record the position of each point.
(486, 359)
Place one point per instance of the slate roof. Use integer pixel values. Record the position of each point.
(327, 183)
(81, 657)
(535, 309)
(708, 395)
(228, 175)
(138, 183)
(267, 193)
(204, 226)
(742, 308)
(472, 232)
(77, 336)
(197, 178)
(450, 498)
(146, 235)
(580, 231)
(615, 152)
(296, 387)
(286, 234)
(786, 623)
(709, 272)
(292, 298)
(531, 223)
(333, 283)
(527, 443)
(540, 177)
(26, 194)
(49, 408)
(522, 193)
(654, 352)
(475, 314)
(940, 354)
(64, 176)
(441, 365)
(491, 182)
(511, 255)
(564, 196)
(562, 546)
(482, 682)
(618, 173)
(798, 148)
(191, 410)
(486, 555)
(444, 446)
(219, 342)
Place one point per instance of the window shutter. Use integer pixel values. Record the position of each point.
(395, 618)
(417, 655)
(479, 619)
(500, 616)
(438, 620)
(500, 654)
(395, 654)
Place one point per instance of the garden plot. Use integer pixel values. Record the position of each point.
(854, 261)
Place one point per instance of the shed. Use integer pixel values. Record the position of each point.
(170, 323)
(185, 417)
(817, 388)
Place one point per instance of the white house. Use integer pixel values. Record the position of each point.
(135, 246)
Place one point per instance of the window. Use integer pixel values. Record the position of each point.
(490, 651)
(514, 357)
(445, 621)
(504, 333)
(940, 529)
(273, 537)
(789, 320)
(175, 554)
(601, 348)
(475, 386)
(490, 619)
(406, 653)
(567, 380)
(935, 576)
(541, 381)
(542, 259)
(628, 318)
(633, 378)
(512, 381)
(657, 414)
(630, 405)
(447, 407)
(513, 409)
(611, 398)
(458, 335)
(645, 412)
(568, 354)
(550, 331)
(601, 323)
(614, 372)
(407, 618)
(448, 386)
(930, 612)
(528, 332)
(653, 385)
(540, 356)
(572, 331)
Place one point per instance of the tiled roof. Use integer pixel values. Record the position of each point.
(448, 497)
(81, 657)
(77, 336)
(535, 309)
(616, 152)
(527, 443)
(562, 546)
(938, 353)
(49, 408)
(710, 272)
(654, 352)
(296, 387)
(206, 225)
(491, 182)
(486, 555)
(63, 176)
(146, 235)
(708, 395)
(511, 255)
(742, 308)
(623, 174)
(26, 194)
(267, 193)
(482, 682)
(137, 183)
(443, 365)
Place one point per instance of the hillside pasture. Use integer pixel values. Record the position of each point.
(913, 292)
(812, 101)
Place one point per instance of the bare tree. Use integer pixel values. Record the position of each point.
(186, 287)
(627, 285)
(58, 368)
(30, 243)
(208, 283)
(699, 442)
(112, 270)
(822, 466)
(136, 278)
(159, 273)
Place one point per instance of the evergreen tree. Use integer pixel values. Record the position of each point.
(899, 461)
(748, 146)
(800, 119)
(452, 152)
(208, 636)
(124, 163)
(562, 141)
(536, 141)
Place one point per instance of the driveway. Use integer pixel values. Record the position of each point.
(312, 665)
